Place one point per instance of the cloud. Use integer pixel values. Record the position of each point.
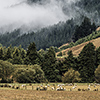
(31, 17)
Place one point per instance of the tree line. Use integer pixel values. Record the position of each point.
(32, 66)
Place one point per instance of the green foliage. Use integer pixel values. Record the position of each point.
(69, 62)
(97, 74)
(30, 74)
(84, 29)
(98, 56)
(49, 66)
(87, 59)
(8, 54)
(32, 54)
(59, 54)
(6, 70)
(71, 76)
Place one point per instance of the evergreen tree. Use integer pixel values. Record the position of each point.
(49, 67)
(98, 56)
(8, 54)
(1, 53)
(69, 62)
(84, 29)
(17, 57)
(87, 63)
(32, 54)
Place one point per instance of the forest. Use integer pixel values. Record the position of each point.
(32, 66)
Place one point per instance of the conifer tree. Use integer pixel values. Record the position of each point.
(32, 54)
(87, 63)
(1, 53)
(49, 66)
(8, 54)
(70, 62)
(98, 56)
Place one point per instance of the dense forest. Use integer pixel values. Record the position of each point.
(32, 66)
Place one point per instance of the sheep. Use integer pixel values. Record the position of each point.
(95, 89)
(10, 86)
(74, 87)
(83, 89)
(13, 86)
(79, 89)
(17, 87)
(23, 85)
(5, 85)
(38, 88)
(44, 89)
(89, 87)
(52, 88)
(60, 89)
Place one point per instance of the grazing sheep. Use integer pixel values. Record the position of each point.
(52, 88)
(89, 88)
(1, 85)
(74, 87)
(44, 89)
(5, 85)
(79, 89)
(83, 89)
(10, 86)
(23, 85)
(38, 88)
(17, 87)
(95, 89)
(60, 89)
(13, 86)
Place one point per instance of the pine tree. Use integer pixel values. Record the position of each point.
(87, 63)
(49, 66)
(32, 54)
(1, 53)
(8, 54)
(70, 62)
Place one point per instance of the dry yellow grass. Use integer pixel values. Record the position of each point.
(48, 95)
(77, 49)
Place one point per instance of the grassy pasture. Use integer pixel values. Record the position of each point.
(30, 93)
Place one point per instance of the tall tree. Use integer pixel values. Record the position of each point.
(49, 66)
(97, 56)
(1, 53)
(87, 63)
(8, 54)
(84, 29)
(69, 62)
(32, 54)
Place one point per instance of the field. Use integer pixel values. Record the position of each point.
(30, 93)
(48, 95)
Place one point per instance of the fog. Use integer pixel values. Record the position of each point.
(30, 16)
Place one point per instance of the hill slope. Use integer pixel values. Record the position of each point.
(77, 49)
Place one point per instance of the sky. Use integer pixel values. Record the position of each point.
(16, 14)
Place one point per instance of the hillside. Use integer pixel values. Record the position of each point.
(77, 49)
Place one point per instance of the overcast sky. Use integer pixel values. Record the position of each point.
(18, 13)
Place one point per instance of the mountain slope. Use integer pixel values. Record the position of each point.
(77, 49)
